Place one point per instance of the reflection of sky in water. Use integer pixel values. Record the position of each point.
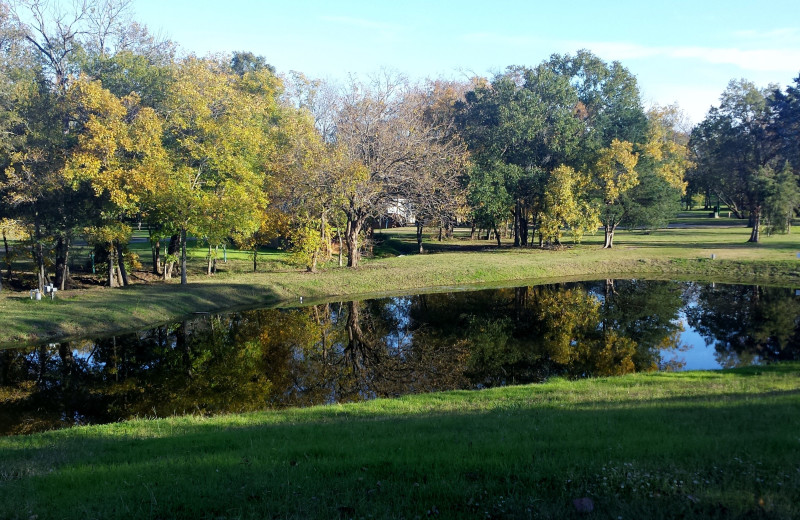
(400, 311)
(694, 353)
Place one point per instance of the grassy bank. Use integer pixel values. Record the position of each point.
(673, 253)
(679, 445)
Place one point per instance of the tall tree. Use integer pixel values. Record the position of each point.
(525, 118)
(609, 101)
(381, 125)
(218, 127)
(663, 162)
(119, 153)
(732, 145)
(785, 125)
(781, 197)
(615, 173)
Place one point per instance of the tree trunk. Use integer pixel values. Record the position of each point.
(312, 267)
(112, 268)
(755, 234)
(8, 255)
(472, 232)
(62, 262)
(523, 226)
(123, 272)
(184, 278)
(341, 245)
(58, 279)
(609, 235)
(517, 238)
(324, 242)
(155, 248)
(326, 239)
(497, 236)
(38, 255)
(255, 259)
(419, 237)
(172, 250)
(351, 237)
(210, 256)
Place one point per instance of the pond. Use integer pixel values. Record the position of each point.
(357, 350)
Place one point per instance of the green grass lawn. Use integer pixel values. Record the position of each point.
(662, 445)
(396, 268)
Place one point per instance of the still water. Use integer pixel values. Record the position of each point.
(352, 351)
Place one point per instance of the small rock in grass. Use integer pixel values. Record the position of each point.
(583, 505)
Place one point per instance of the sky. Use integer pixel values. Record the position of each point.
(682, 52)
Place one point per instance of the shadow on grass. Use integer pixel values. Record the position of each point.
(726, 455)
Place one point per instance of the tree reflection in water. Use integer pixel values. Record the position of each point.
(351, 351)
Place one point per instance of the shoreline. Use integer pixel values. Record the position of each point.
(79, 313)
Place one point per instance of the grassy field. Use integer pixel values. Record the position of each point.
(396, 268)
(662, 445)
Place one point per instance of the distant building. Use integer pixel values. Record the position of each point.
(400, 212)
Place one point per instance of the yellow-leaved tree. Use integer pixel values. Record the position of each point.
(219, 128)
(120, 155)
(615, 173)
(565, 206)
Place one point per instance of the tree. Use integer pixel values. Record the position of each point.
(615, 173)
(382, 127)
(32, 186)
(435, 191)
(218, 127)
(785, 126)
(119, 153)
(663, 162)
(781, 197)
(488, 196)
(565, 205)
(732, 145)
(61, 41)
(609, 102)
(526, 119)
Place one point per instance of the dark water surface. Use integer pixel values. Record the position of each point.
(352, 351)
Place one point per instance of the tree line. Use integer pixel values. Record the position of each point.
(105, 125)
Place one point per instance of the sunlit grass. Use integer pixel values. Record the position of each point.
(694, 445)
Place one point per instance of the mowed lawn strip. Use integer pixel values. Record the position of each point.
(673, 253)
(664, 445)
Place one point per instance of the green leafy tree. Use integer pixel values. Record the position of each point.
(488, 196)
(609, 101)
(663, 162)
(218, 128)
(785, 126)
(524, 119)
(732, 145)
(781, 197)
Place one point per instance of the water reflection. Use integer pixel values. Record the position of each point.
(351, 351)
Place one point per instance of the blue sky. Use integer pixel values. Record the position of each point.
(680, 51)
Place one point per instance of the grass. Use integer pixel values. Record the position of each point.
(664, 445)
(673, 253)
